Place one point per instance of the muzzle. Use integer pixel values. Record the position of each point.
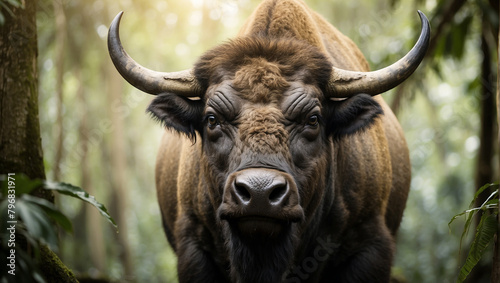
(260, 202)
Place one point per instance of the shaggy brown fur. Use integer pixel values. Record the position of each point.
(260, 80)
(294, 19)
(345, 163)
(287, 57)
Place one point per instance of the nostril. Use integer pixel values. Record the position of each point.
(242, 192)
(278, 193)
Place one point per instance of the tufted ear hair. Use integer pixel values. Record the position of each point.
(178, 113)
(351, 115)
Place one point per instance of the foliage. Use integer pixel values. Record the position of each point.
(76, 192)
(485, 230)
(34, 218)
(4, 6)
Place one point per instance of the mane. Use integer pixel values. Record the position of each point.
(294, 19)
(290, 55)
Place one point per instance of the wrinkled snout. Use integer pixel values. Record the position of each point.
(260, 190)
(260, 199)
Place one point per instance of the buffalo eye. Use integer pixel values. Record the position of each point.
(313, 121)
(212, 121)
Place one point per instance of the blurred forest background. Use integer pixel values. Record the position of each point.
(95, 133)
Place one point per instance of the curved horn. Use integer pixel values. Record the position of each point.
(182, 83)
(345, 83)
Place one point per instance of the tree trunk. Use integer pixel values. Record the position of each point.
(60, 44)
(495, 274)
(20, 142)
(93, 220)
(484, 165)
(119, 165)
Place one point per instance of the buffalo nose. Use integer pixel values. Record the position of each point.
(259, 187)
(261, 193)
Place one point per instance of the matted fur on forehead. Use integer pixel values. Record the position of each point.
(294, 58)
(260, 81)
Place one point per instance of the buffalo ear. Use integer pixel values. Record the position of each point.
(177, 113)
(351, 115)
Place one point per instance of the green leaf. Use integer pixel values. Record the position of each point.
(28, 269)
(472, 211)
(468, 222)
(37, 222)
(25, 185)
(15, 3)
(478, 192)
(485, 232)
(21, 183)
(6, 8)
(51, 211)
(77, 192)
(467, 225)
(459, 33)
(4, 235)
(21, 229)
(455, 217)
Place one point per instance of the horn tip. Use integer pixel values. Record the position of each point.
(423, 17)
(117, 19)
(114, 27)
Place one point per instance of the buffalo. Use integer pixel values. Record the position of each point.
(281, 163)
